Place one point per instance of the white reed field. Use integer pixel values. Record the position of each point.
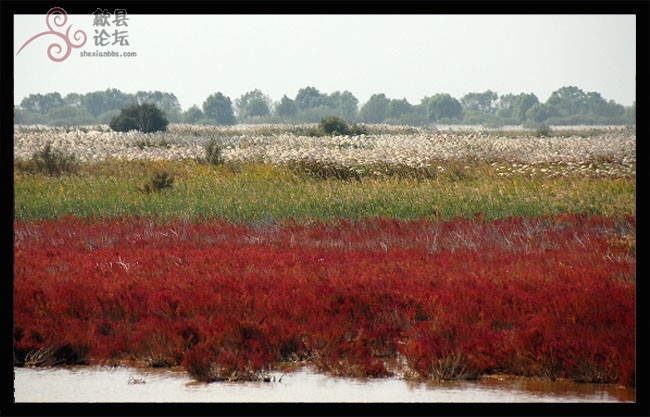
(612, 148)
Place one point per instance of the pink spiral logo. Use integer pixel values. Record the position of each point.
(59, 20)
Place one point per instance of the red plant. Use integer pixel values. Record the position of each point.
(550, 297)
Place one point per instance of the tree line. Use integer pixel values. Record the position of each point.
(566, 106)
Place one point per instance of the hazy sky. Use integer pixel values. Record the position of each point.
(402, 56)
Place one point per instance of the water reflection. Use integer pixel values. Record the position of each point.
(95, 384)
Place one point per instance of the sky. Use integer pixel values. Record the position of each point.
(401, 56)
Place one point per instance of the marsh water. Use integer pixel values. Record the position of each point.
(304, 385)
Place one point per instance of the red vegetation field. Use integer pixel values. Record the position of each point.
(551, 297)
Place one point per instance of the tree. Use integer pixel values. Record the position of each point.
(253, 104)
(310, 97)
(286, 107)
(315, 114)
(374, 111)
(505, 106)
(106, 117)
(513, 108)
(344, 104)
(41, 104)
(334, 126)
(148, 96)
(398, 108)
(218, 107)
(68, 115)
(598, 106)
(480, 102)
(523, 104)
(166, 102)
(569, 101)
(151, 119)
(74, 100)
(98, 102)
(145, 117)
(26, 117)
(443, 106)
(540, 112)
(192, 115)
(630, 114)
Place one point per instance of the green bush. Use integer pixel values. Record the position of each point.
(334, 126)
(159, 181)
(213, 153)
(146, 118)
(543, 131)
(123, 123)
(51, 162)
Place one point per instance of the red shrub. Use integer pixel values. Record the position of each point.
(548, 297)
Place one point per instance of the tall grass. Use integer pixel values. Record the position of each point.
(261, 192)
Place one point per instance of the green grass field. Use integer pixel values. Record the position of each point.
(260, 192)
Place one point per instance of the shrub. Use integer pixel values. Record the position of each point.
(543, 131)
(334, 126)
(50, 355)
(144, 117)
(51, 161)
(213, 153)
(159, 181)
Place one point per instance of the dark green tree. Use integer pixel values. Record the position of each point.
(74, 100)
(540, 113)
(148, 96)
(310, 97)
(42, 103)
(505, 106)
(145, 117)
(334, 126)
(598, 106)
(253, 104)
(315, 114)
(166, 102)
(344, 104)
(218, 107)
(98, 102)
(68, 115)
(286, 108)
(480, 102)
(26, 117)
(512, 108)
(151, 119)
(398, 108)
(522, 105)
(443, 106)
(630, 114)
(569, 101)
(192, 115)
(107, 116)
(374, 110)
